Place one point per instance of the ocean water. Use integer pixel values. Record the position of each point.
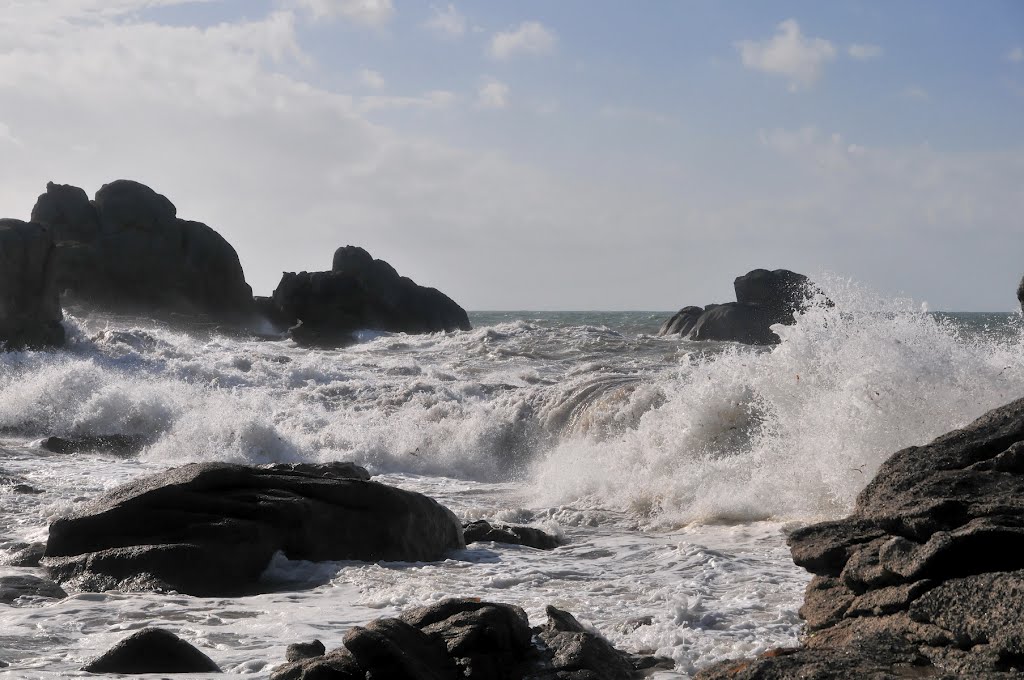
(672, 469)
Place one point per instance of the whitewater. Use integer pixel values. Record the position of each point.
(671, 469)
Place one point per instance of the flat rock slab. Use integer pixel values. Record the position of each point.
(152, 650)
(210, 529)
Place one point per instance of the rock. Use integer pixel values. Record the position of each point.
(763, 298)
(305, 650)
(482, 530)
(926, 577)
(24, 554)
(736, 322)
(325, 308)
(152, 650)
(30, 312)
(123, 445)
(129, 251)
(1020, 293)
(467, 638)
(210, 529)
(681, 322)
(25, 585)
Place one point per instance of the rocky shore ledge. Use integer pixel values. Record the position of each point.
(926, 578)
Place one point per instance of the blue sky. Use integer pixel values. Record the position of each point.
(545, 155)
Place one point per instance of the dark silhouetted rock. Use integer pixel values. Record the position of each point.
(482, 530)
(128, 251)
(681, 322)
(763, 298)
(467, 638)
(152, 650)
(210, 529)
(305, 650)
(1020, 293)
(114, 444)
(25, 585)
(926, 578)
(359, 293)
(30, 313)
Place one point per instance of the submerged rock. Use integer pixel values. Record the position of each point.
(152, 650)
(763, 298)
(482, 530)
(325, 308)
(23, 554)
(116, 444)
(210, 529)
(466, 638)
(127, 250)
(926, 577)
(30, 313)
(25, 585)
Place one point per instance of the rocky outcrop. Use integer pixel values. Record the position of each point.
(926, 577)
(21, 586)
(127, 250)
(467, 638)
(1020, 293)
(763, 298)
(482, 530)
(359, 293)
(123, 445)
(152, 650)
(30, 313)
(211, 529)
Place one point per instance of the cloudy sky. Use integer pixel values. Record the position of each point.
(578, 154)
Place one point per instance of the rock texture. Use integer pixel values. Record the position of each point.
(482, 530)
(358, 293)
(152, 650)
(127, 250)
(466, 638)
(30, 312)
(926, 578)
(13, 588)
(763, 298)
(210, 529)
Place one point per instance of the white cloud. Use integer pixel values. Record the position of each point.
(433, 100)
(864, 52)
(493, 94)
(1015, 55)
(530, 38)
(630, 113)
(447, 22)
(371, 13)
(790, 54)
(916, 92)
(6, 136)
(372, 79)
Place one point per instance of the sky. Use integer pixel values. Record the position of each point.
(569, 154)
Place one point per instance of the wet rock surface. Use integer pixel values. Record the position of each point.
(152, 650)
(210, 529)
(30, 312)
(466, 638)
(482, 530)
(926, 577)
(21, 586)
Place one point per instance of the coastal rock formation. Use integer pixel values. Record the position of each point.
(1020, 293)
(152, 650)
(128, 251)
(482, 530)
(359, 293)
(19, 586)
(763, 298)
(467, 638)
(210, 529)
(30, 312)
(926, 577)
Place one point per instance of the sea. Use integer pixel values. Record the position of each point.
(672, 470)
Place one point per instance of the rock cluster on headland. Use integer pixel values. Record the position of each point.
(30, 312)
(325, 308)
(926, 578)
(763, 298)
(210, 529)
(128, 251)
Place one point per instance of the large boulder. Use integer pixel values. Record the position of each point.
(30, 313)
(467, 638)
(210, 529)
(127, 250)
(926, 577)
(1020, 293)
(763, 298)
(152, 650)
(360, 293)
